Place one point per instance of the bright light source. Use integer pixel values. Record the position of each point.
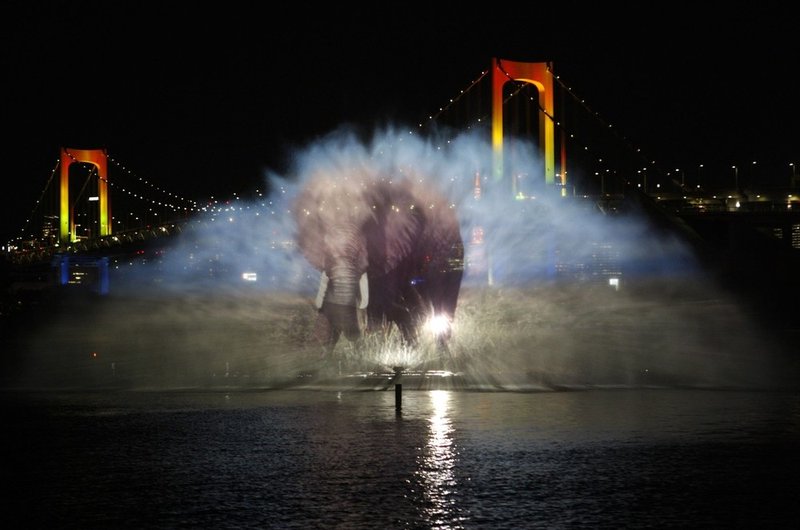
(614, 282)
(94, 198)
(439, 325)
(249, 276)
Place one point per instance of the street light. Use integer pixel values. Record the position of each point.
(794, 176)
(735, 177)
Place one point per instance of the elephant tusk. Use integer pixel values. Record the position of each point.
(323, 286)
(363, 291)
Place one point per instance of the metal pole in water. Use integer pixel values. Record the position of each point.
(398, 396)
(398, 389)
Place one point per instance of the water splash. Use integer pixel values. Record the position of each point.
(538, 308)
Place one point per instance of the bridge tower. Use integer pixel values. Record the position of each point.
(99, 158)
(539, 75)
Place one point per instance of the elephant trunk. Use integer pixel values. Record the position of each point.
(342, 285)
(342, 291)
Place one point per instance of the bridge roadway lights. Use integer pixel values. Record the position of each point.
(66, 263)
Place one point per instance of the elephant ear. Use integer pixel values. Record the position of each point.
(440, 238)
(403, 221)
(310, 238)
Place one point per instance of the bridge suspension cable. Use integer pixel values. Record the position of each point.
(483, 117)
(456, 99)
(38, 204)
(596, 115)
(597, 153)
(192, 204)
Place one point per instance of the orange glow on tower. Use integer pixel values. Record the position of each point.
(539, 75)
(99, 158)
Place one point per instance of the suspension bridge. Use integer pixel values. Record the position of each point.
(93, 207)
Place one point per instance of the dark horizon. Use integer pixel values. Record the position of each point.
(207, 102)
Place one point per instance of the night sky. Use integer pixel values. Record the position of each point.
(203, 99)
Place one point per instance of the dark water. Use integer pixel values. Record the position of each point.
(629, 458)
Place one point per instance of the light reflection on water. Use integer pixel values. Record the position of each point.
(438, 462)
(451, 459)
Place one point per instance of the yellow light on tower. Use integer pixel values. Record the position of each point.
(99, 158)
(537, 74)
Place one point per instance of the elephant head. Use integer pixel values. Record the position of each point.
(399, 233)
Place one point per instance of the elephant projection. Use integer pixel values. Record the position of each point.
(385, 246)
